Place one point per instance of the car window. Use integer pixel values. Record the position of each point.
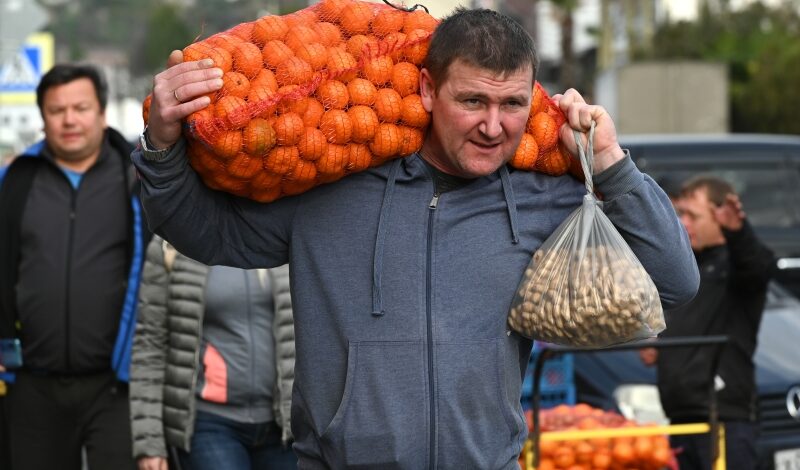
(769, 194)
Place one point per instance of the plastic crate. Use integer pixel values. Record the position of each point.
(558, 371)
(557, 383)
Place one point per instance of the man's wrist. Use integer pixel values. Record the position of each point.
(152, 151)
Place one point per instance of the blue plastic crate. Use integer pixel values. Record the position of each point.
(558, 371)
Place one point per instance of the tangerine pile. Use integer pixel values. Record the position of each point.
(327, 91)
(639, 452)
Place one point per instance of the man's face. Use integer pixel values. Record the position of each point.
(697, 215)
(478, 118)
(73, 121)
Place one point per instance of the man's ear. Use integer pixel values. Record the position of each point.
(427, 90)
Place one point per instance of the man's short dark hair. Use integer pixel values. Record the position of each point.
(61, 74)
(481, 38)
(717, 189)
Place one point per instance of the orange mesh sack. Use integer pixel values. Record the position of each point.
(324, 92)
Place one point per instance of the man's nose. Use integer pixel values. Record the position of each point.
(69, 116)
(491, 126)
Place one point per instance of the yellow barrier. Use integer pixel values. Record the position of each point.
(672, 429)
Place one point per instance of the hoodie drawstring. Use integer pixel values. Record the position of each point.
(511, 203)
(380, 239)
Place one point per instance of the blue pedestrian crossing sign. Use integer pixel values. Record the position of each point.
(20, 74)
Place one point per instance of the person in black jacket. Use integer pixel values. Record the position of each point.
(71, 250)
(735, 268)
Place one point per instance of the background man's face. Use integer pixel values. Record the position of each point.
(697, 215)
(73, 121)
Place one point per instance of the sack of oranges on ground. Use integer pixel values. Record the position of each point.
(312, 96)
(639, 452)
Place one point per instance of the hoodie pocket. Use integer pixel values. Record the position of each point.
(381, 420)
(479, 421)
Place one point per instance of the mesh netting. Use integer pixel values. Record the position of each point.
(332, 89)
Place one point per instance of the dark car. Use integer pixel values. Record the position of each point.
(765, 171)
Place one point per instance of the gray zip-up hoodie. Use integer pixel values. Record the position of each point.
(404, 358)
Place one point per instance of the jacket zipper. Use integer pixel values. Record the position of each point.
(251, 346)
(428, 291)
(68, 280)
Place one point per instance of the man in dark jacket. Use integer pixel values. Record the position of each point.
(71, 242)
(735, 268)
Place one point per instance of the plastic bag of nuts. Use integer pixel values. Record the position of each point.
(584, 286)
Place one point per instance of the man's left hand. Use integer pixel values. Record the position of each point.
(730, 215)
(579, 117)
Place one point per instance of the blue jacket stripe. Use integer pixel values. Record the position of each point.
(121, 359)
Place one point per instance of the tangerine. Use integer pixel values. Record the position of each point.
(269, 28)
(234, 84)
(200, 50)
(275, 52)
(329, 33)
(288, 129)
(247, 59)
(527, 153)
(259, 137)
(243, 31)
(331, 166)
(333, 94)
(341, 64)
(388, 105)
(553, 162)
(314, 53)
(413, 112)
(419, 19)
(265, 79)
(387, 20)
(359, 159)
(232, 111)
(282, 159)
(292, 100)
(544, 129)
(356, 17)
(337, 126)
(293, 71)
(362, 91)
(312, 144)
(301, 35)
(227, 144)
(378, 69)
(265, 180)
(314, 112)
(304, 17)
(387, 141)
(330, 9)
(411, 140)
(364, 121)
(405, 78)
(417, 43)
(361, 45)
(243, 166)
(393, 44)
(303, 172)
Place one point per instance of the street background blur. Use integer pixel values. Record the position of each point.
(659, 66)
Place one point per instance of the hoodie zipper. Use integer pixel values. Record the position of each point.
(68, 279)
(429, 319)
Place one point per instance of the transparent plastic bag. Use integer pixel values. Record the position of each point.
(584, 286)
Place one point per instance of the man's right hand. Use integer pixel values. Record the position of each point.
(649, 356)
(178, 92)
(152, 463)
